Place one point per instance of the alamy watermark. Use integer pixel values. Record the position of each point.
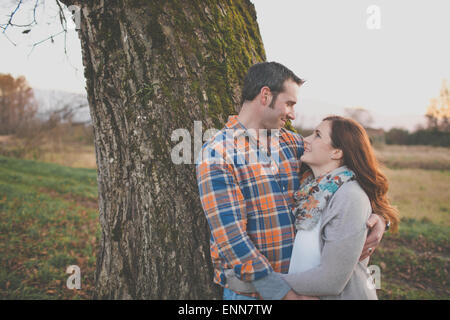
(374, 279)
(74, 281)
(75, 22)
(373, 21)
(233, 146)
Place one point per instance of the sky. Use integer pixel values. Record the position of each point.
(387, 56)
(46, 66)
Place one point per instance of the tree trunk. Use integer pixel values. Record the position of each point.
(152, 67)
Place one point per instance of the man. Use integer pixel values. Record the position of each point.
(248, 204)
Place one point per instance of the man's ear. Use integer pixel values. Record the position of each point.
(266, 95)
(337, 154)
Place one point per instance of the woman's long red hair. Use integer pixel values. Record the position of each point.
(350, 137)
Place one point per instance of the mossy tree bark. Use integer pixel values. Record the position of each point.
(152, 67)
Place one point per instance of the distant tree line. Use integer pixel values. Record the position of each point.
(25, 134)
(428, 136)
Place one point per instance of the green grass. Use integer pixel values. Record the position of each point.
(48, 221)
(63, 180)
(415, 261)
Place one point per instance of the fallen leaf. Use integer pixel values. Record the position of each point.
(420, 286)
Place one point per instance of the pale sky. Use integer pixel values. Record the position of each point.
(47, 67)
(393, 70)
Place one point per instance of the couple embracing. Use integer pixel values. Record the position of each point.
(303, 223)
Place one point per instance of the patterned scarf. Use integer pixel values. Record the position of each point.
(314, 193)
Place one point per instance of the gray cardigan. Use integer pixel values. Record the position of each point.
(343, 232)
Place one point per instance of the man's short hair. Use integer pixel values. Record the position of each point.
(269, 74)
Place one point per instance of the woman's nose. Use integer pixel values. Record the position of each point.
(307, 140)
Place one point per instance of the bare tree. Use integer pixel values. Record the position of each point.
(360, 115)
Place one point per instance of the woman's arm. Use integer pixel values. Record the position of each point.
(344, 237)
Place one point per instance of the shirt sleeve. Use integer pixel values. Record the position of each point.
(224, 206)
(344, 238)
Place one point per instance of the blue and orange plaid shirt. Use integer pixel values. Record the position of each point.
(248, 204)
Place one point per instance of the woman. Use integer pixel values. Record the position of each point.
(333, 204)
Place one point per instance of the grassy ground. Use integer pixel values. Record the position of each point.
(416, 261)
(414, 157)
(421, 194)
(66, 145)
(49, 220)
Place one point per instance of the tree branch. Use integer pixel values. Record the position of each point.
(63, 21)
(10, 23)
(46, 39)
(11, 17)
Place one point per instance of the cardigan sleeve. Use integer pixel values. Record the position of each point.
(343, 240)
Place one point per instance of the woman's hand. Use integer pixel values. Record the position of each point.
(376, 225)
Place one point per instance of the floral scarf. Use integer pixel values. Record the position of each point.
(315, 193)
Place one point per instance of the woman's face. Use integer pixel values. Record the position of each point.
(318, 149)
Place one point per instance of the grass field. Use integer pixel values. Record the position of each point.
(421, 194)
(72, 153)
(49, 220)
(414, 157)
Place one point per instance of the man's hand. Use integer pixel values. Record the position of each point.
(291, 295)
(376, 225)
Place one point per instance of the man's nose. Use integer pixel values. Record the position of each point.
(291, 115)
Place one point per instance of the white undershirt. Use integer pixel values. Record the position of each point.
(306, 251)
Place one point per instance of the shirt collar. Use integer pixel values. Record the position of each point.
(234, 123)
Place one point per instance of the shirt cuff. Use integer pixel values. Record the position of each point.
(271, 287)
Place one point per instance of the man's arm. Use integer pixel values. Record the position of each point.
(377, 226)
(224, 206)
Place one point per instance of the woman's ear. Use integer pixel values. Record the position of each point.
(337, 154)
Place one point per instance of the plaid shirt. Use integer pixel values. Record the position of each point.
(249, 204)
